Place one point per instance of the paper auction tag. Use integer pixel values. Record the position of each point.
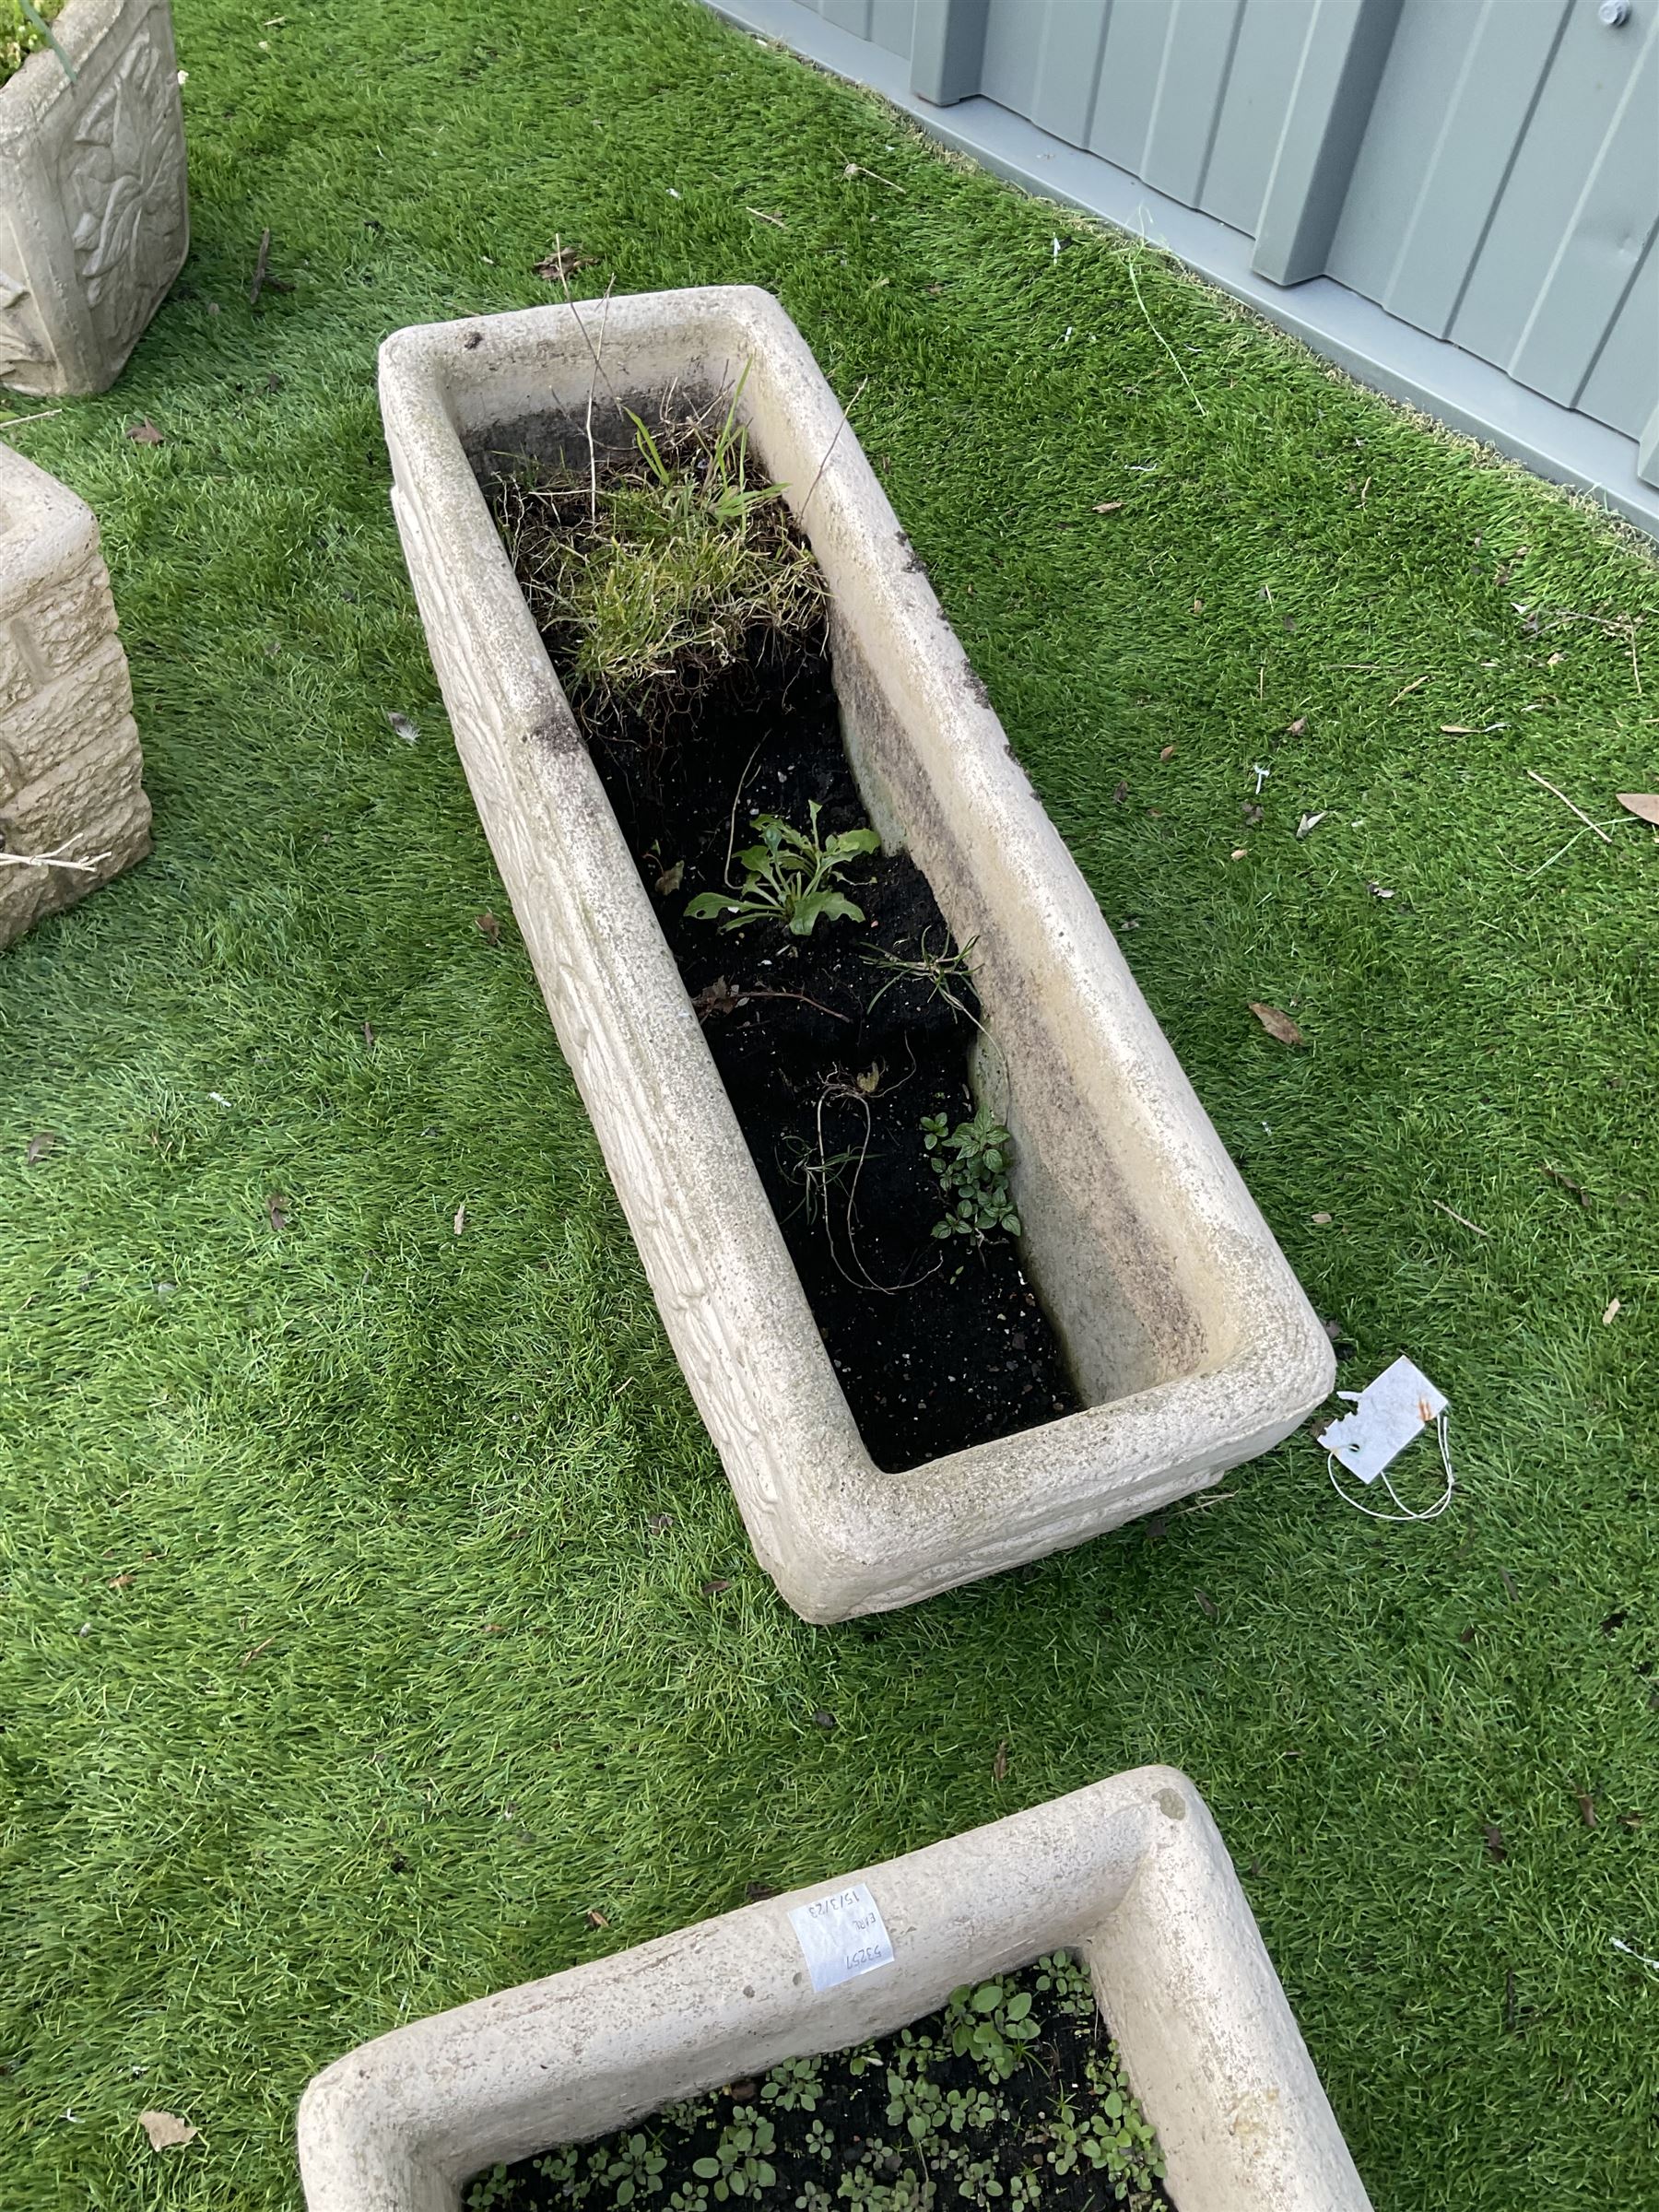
(1388, 1413)
(842, 1936)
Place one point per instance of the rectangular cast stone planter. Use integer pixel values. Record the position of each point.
(94, 221)
(1130, 1873)
(69, 759)
(1189, 1339)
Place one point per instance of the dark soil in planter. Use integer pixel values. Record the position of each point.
(1010, 2097)
(831, 1057)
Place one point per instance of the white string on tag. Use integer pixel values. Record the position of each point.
(1430, 1513)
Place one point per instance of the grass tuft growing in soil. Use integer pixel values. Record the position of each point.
(651, 582)
(1011, 2097)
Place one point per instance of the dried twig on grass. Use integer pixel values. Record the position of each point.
(1180, 368)
(1566, 802)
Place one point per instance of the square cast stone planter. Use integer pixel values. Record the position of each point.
(1190, 1341)
(69, 759)
(94, 221)
(1130, 1873)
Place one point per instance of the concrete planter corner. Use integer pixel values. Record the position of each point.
(70, 764)
(1188, 1337)
(1130, 1873)
(94, 217)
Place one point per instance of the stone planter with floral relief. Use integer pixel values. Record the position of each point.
(94, 220)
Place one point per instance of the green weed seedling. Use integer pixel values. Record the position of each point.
(972, 1164)
(739, 2166)
(791, 877)
(993, 2024)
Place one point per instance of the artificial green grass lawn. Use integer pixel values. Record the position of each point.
(349, 1666)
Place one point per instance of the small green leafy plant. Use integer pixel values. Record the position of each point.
(792, 877)
(739, 2166)
(972, 1164)
(23, 31)
(991, 2022)
(651, 570)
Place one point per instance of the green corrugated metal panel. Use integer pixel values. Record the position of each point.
(893, 24)
(1601, 249)
(1130, 69)
(1462, 81)
(1068, 41)
(1619, 390)
(1487, 170)
(1582, 102)
(847, 14)
(1337, 81)
(1197, 61)
(1272, 37)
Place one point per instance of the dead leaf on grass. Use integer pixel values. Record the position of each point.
(826, 1721)
(1276, 1024)
(1586, 1805)
(1120, 794)
(1497, 1849)
(166, 2130)
(277, 1207)
(1207, 1605)
(37, 1147)
(490, 929)
(1168, 753)
(145, 433)
(714, 1585)
(1644, 804)
(1106, 506)
(369, 1036)
(563, 263)
(1295, 729)
(1614, 1310)
(121, 1582)
(1311, 821)
(460, 1220)
(595, 1918)
(1320, 1221)
(999, 1765)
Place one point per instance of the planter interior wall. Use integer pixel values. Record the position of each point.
(94, 221)
(1189, 1339)
(1130, 1873)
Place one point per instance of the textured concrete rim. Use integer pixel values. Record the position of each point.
(1130, 1872)
(838, 1535)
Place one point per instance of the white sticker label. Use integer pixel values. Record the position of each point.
(842, 1936)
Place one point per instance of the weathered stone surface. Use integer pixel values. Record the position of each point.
(94, 220)
(1191, 1342)
(70, 764)
(1130, 1873)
